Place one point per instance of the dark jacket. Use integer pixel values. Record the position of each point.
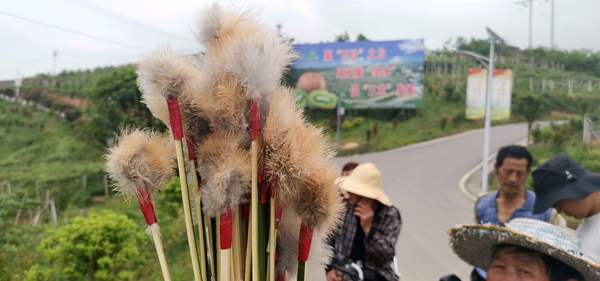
(379, 243)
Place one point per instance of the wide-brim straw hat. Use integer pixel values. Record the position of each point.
(365, 180)
(475, 244)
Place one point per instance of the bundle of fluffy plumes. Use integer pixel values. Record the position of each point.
(139, 158)
(244, 61)
(298, 163)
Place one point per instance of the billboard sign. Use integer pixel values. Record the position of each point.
(500, 96)
(364, 74)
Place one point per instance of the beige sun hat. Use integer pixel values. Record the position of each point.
(475, 243)
(365, 180)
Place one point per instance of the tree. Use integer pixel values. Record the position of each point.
(115, 102)
(361, 37)
(584, 104)
(531, 107)
(344, 37)
(102, 246)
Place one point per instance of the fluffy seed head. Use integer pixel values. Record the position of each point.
(139, 158)
(225, 169)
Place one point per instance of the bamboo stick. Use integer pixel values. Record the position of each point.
(162, 259)
(272, 240)
(263, 232)
(254, 128)
(237, 250)
(197, 207)
(210, 253)
(248, 266)
(147, 209)
(177, 130)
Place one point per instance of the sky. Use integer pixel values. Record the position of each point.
(92, 33)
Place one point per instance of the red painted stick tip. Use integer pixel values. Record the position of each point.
(264, 193)
(145, 202)
(226, 229)
(191, 149)
(254, 120)
(304, 242)
(281, 276)
(175, 118)
(261, 171)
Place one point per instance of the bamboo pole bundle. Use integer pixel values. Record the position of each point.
(139, 163)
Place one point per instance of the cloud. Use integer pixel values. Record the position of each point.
(411, 46)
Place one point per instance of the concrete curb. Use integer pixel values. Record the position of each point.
(462, 183)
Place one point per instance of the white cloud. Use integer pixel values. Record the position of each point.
(411, 46)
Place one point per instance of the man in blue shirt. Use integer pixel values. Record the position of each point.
(511, 200)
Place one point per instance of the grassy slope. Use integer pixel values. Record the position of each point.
(38, 146)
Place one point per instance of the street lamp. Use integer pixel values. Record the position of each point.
(489, 63)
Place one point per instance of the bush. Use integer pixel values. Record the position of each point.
(102, 246)
(559, 135)
(349, 123)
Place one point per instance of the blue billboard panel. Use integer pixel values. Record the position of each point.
(364, 74)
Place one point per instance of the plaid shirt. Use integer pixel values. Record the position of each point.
(379, 243)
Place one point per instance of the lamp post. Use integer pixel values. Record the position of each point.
(489, 63)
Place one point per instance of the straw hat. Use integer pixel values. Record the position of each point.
(365, 180)
(475, 243)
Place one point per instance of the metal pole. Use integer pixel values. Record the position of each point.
(551, 24)
(487, 128)
(17, 87)
(54, 55)
(530, 22)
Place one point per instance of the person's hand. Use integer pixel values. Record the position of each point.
(365, 213)
(334, 275)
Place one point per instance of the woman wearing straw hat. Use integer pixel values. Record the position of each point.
(524, 249)
(370, 226)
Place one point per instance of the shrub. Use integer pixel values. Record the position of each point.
(101, 246)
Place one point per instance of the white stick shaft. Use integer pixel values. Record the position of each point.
(185, 197)
(225, 265)
(162, 259)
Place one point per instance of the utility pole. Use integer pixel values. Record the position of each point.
(54, 55)
(530, 23)
(489, 63)
(18, 82)
(552, 24)
(525, 3)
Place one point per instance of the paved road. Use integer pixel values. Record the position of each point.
(422, 181)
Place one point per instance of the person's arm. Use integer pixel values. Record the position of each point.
(381, 240)
(330, 241)
(333, 237)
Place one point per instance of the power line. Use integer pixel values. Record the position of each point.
(67, 30)
(116, 16)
